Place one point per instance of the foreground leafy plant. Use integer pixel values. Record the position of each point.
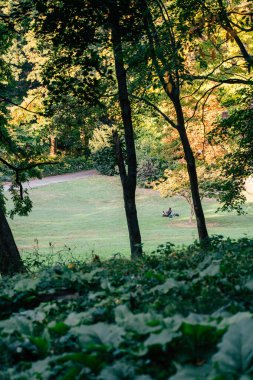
(178, 314)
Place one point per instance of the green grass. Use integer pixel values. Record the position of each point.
(88, 216)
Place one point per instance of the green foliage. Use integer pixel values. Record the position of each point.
(150, 169)
(237, 164)
(103, 152)
(67, 164)
(177, 314)
(22, 203)
(235, 357)
(105, 161)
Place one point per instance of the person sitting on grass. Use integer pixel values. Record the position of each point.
(168, 213)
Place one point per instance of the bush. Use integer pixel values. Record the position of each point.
(104, 161)
(102, 150)
(67, 165)
(149, 169)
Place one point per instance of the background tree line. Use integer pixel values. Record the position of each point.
(162, 90)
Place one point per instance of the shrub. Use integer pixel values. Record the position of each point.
(149, 169)
(67, 165)
(104, 161)
(102, 150)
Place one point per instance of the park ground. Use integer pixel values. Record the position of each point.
(83, 214)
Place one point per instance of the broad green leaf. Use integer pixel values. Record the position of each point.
(91, 361)
(26, 284)
(34, 315)
(75, 319)
(59, 328)
(212, 270)
(99, 333)
(118, 371)
(162, 338)
(90, 276)
(192, 373)
(39, 370)
(197, 319)
(41, 344)
(235, 355)
(249, 284)
(227, 321)
(169, 284)
(19, 324)
(71, 373)
(142, 323)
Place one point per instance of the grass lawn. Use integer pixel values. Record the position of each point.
(88, 216)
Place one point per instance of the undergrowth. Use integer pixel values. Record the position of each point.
(176, 314)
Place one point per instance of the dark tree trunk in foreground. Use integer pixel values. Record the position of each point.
(128, 178)
(10, 260)
(192, 172)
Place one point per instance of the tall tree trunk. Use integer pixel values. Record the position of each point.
(173, 92)
(192, 172)
(10, 260)
(128, 179)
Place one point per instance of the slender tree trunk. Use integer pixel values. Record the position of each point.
(192, 172)
(128, 179)
(225, 23)
(53, 146)
(173, 94)
(10, 260)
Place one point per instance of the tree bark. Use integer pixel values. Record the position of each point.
(128, 178)
(53, 146)
(10, 260)
(192, 172)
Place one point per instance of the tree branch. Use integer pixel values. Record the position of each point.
(171, 122)
(202, 97)
(221, 81)
(17, 105)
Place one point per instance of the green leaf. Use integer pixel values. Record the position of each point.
(59, 328)
(192, 373)
(169, 284)
(249, 284)
(71, 374)
(92, 275)
(142, 323)
(235, 355)
(41, 344)
(99, 333)
(227, 321)
(212, 270)
(118, 371)
(91, 361)
(26, 284)
(19, 324)
(161, 339)
(75, 319)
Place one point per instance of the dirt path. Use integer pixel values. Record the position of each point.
(56, 179)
